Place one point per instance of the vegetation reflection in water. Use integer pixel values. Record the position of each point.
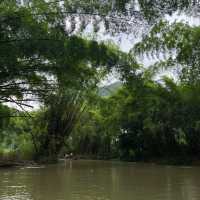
(100, 180)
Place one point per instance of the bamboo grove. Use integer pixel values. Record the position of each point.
(46, 61)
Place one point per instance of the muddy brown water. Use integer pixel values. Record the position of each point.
(100, 180)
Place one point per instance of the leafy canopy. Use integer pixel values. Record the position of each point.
(38, 55)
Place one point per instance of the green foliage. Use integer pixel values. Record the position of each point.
(41, 60)
(179, 43)
(16, 140)
(160, 121)
(151, 10)
(155, 9)
(4, 116)
(146, 121)
(96, 132)
(38, 55)
(61, 115)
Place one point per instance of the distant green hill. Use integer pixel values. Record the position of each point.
(109, 89)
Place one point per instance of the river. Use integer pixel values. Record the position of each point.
(100, 180)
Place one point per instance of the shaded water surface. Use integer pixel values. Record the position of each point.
(99, 180)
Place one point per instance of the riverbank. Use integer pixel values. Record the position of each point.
(176, 160)
(7, 163)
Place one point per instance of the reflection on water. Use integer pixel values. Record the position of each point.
(98, 180)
